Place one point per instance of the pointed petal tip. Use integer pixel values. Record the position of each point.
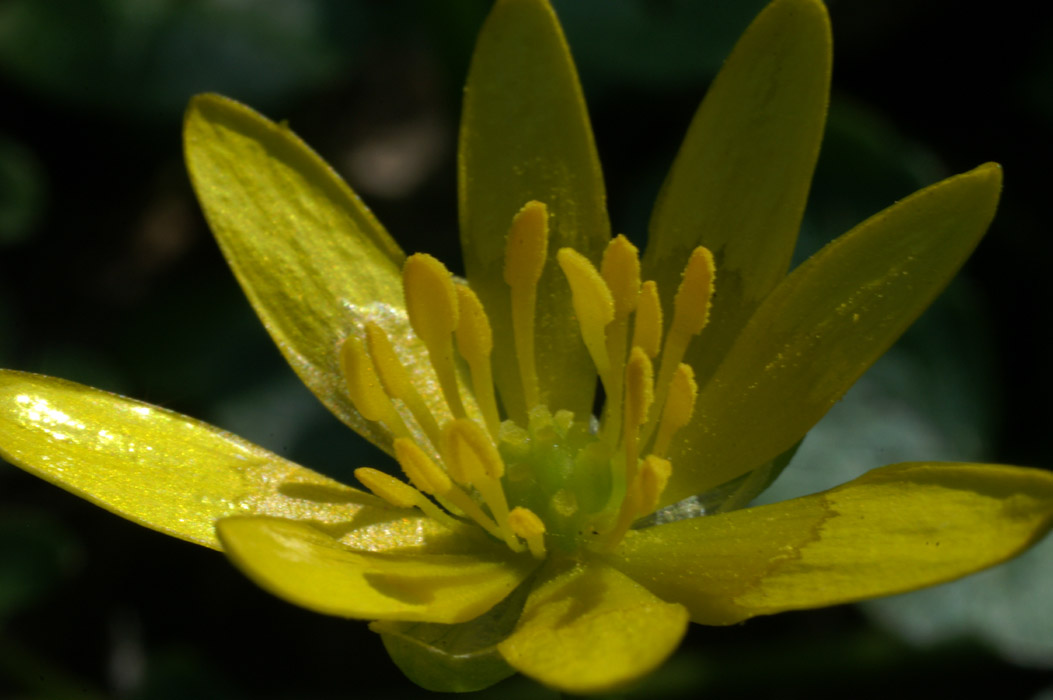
(991, 172)
(811, 10)
(204, 101)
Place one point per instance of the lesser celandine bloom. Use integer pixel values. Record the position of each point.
(524, 534)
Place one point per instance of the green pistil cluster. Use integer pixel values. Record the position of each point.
(561, 470)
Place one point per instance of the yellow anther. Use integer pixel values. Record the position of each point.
(639, 387)
(393, 376)
(429, 478)
(593, 305)
(420, 469)
(431, 304)
(387, 487)
(525, 255)
(620, 269)
(401, 495)
(650, 483)
(679, 405)
(526, 524)
(527, 246)
(365, 389)
(431, 299)
(470, 453)
(647, 331)
(472, 459)
(641, 497)
(475, 339)
(691, 305)
(396, 380)
(690, 314)
(639, 394)
(475, 342)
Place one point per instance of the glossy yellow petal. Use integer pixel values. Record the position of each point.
(742, 175)
(892, 530)
(588, 628)
(307, 567)
(824, 325)
(161, 469)
(525, 136)
(310, 256)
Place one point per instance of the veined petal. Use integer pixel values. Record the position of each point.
(824, 325)
(740, 181)
(311, 569)
(589, 628)
(525, 135)
(312, 259)
(164, 470)
(894, 529)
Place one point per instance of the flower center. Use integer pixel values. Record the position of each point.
(561, 481)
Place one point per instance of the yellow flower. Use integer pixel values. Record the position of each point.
(527, 535)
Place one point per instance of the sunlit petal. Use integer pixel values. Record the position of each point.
(158, 468)
(892, 530)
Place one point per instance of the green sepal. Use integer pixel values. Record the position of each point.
(454, 658)
(740, 492)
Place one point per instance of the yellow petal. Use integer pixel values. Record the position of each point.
(589, 629)
(742, 175)
(158, 468)
(525, 136)
(892, 530)
(310, 256)
(824, 325)
(307, 567)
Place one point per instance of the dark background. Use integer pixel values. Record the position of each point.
(109, 276)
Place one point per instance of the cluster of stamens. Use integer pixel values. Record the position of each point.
(589, 483)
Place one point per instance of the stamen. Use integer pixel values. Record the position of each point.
(426, 475)
(593, 305)
(647, 329)
(396, 380)
(651, 482)
(691, 305)
(641, 497)
(639, 395)
(431, 303)
(475, 342)
(401, 494)
(365, 389)
(679, 405)
(472, 455)
(397, 493)
(420, 469)
(690, 314)
(526, 524)
(472, 459)
(620, 269)
(525, 255)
